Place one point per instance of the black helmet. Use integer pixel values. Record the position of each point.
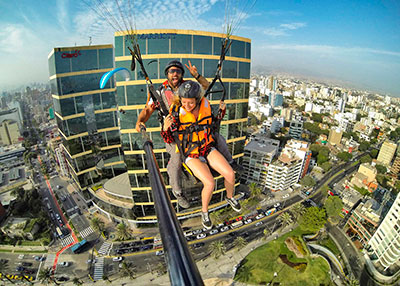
(174, 63)
(190, 89)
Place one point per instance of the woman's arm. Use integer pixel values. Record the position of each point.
(166, 132)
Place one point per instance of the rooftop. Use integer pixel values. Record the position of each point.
(264, 147)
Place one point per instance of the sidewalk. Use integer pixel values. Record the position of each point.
(13, 248)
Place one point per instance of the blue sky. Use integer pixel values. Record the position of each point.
(353, 42)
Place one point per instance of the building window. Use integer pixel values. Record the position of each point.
(237, 49)
(181, 44)
(158, 46)
(202, 45)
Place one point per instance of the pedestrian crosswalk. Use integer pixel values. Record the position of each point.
(86, 232)
(67, 240)
(48, 263)
(105, 248)
(98, 269)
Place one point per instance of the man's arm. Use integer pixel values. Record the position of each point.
(201, 79)
(144, 116)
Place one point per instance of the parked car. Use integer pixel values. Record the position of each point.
(159, 252)
(213, 231)
(260, 216)
(64, 264)
(188, 233)
(198, 245)
(259, 223)
(277, 205)
(197, 231)
(26, 264)
(225, 228)
(285, 196)
(201, 235)
(118, 259)
(247, 221)
(40, 258)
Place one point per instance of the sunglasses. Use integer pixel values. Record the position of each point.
(178, 71)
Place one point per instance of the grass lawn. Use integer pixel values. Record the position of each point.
(30, 243)
(261, 264)
(328, 243)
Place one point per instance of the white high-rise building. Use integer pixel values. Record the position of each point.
(384, 246)
(284, 172)
(308, 107)
(258, 154)
(340, 105)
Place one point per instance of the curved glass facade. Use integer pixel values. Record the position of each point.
(158, 47)
(86, 115)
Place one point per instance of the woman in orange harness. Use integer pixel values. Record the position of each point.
(197, 143)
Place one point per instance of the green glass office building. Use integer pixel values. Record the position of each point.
(86, 116)
(158, 47)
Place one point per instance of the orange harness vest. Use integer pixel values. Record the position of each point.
(195, 135)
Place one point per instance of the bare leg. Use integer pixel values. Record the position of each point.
(219, 164)
(203, 173)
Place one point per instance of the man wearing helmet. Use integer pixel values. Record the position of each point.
(174, 72)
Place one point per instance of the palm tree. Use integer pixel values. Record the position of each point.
(128, 270)
(286, 219)
(45, 276)
(106, 278)
(161, 269)
(3, 268)
(297, 210)
(216, 217)
(255, 191)
(266, 233)
(243, 274)
(123, 231)
(240, 242)
(77, 281)
(98, 224)
(217, 249)
(353, 281)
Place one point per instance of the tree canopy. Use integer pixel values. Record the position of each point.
(313, 219)
(333, 206)
(326, 166)
(366, 159)
(314, 128)
(344, 156)
(364, 146)
(316, 117)
(307, 181)
(381, 169)
(374, 153)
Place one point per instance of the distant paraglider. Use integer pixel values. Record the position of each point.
(122, 71)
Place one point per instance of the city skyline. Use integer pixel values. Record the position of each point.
(322, 39)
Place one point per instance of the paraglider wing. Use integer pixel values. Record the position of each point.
(122, 71)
